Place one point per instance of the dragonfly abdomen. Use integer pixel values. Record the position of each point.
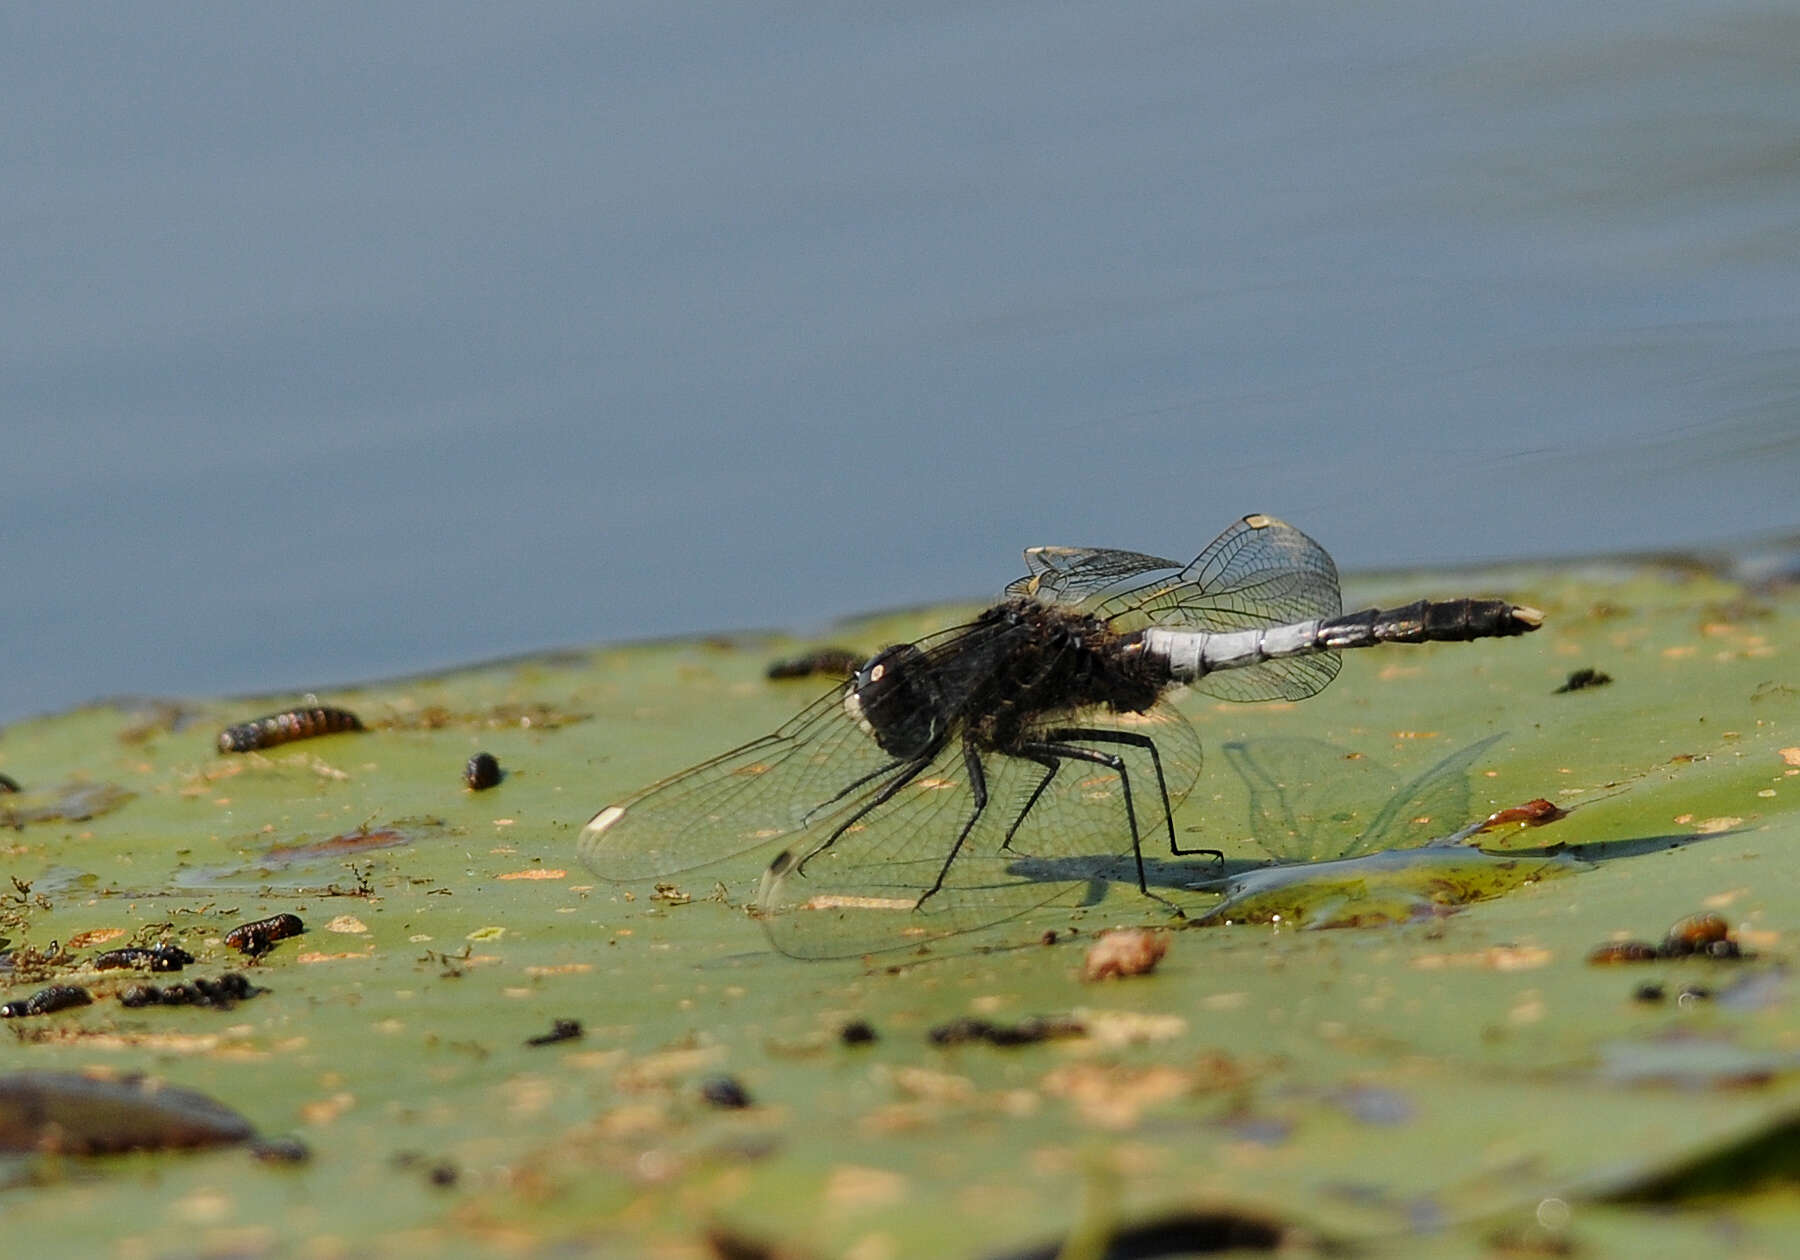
(1192, 654)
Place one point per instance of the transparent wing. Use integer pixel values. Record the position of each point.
(1260, 572)
(746, 799)
(867, 891)
(1310, 801)
(1077, 575)
(813, 770)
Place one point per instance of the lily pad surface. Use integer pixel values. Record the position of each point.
(1376, 1023)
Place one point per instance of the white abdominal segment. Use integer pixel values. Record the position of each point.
(1193, 654)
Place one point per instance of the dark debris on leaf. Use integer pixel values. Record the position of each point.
(258, 937)
(1025, 1032)
(147, 957)
(482, 772)
(1704, 935)
(1185, 1234)
(281, 1150)
(832, 662)
(560, 1030)
(858, 1032)
(1582, 679)
(46, 1001)
(221, 994)
(724, 1091)
(82, 1115)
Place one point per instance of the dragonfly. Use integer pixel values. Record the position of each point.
(1021, 760)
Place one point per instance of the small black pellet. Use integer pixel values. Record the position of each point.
(724, 1091)
(482, 772)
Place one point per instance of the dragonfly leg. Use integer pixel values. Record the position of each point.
(1102, 735)
(1039, 749)
(1051, 766)
(784, 862)
(848, 788)
(978, 788)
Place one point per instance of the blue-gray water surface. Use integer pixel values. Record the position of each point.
(348, 340)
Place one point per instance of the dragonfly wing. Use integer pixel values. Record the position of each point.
(1260, 572)
(814, 767)
(1079, 575)
(896, 878)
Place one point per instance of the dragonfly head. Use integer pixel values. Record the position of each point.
(895, 700)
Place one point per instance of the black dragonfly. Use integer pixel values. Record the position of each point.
(1022, 759)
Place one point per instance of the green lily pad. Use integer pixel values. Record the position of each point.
(1441, 1073)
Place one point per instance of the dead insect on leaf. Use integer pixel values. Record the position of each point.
(149, 957)
(258, 937)
(560, 1030)
(57, 997)
(1024, 1033)
(1534, 813)
(1582, 679)
(287, 726)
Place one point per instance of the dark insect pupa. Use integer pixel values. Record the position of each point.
(287, 726)
(257, 937)
(225, 992)
(482, 772)
(58, 997)
(163, 957)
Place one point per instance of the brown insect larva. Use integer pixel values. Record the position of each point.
(285, 727)
(1622, 952)
(58, 997)
(1705, 933)
(151, 958)
(257, 937)
(482, 772)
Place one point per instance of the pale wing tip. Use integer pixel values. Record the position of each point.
(1527, 616)
(601, 821)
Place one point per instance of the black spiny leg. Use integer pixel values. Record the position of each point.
(1102, 735)
(912, 771)
(1051, 766)
(978, 788)
(1038, 750)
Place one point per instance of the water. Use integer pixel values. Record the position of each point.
(346, 341)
